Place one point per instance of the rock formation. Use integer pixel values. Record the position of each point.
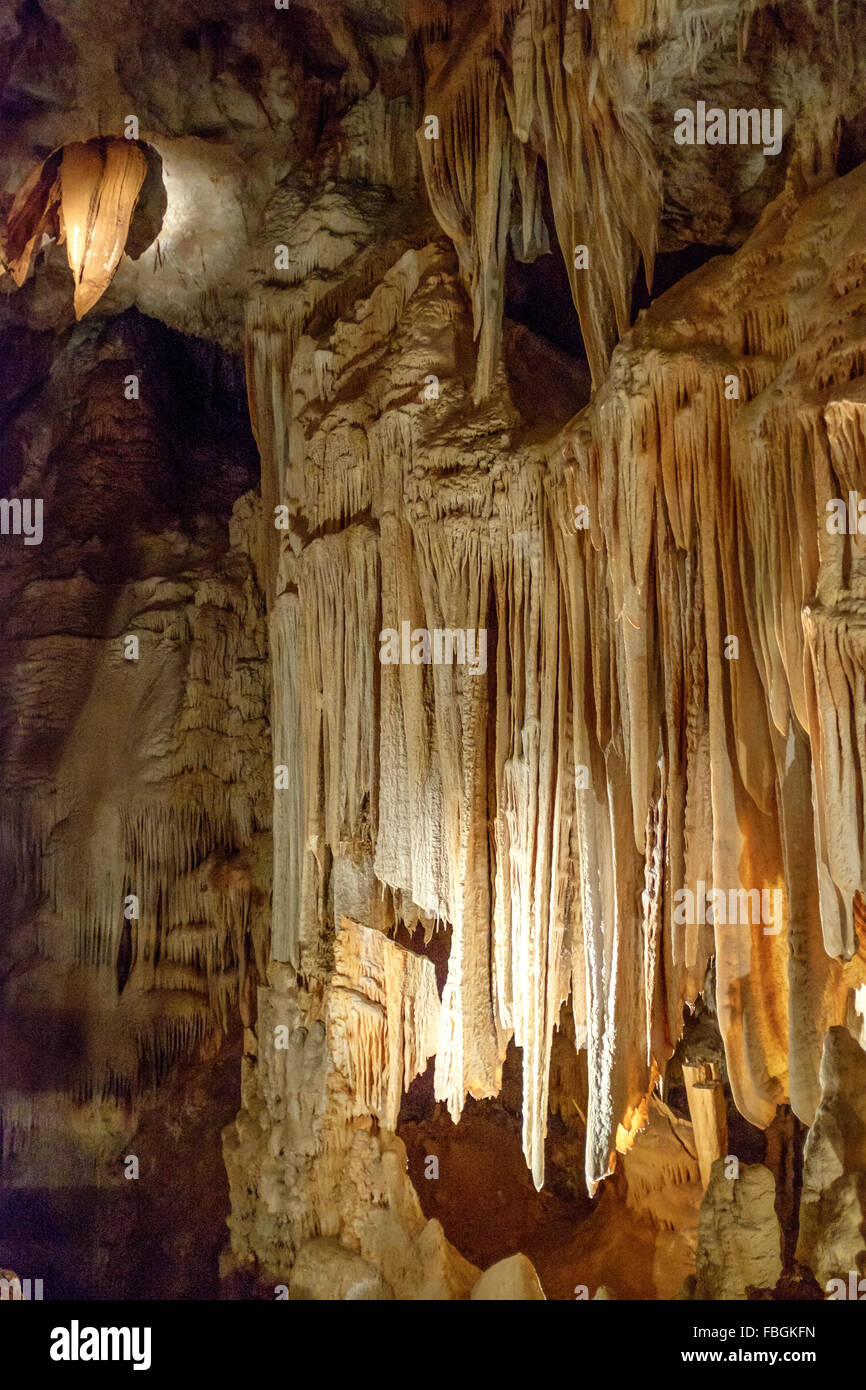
(739, 1242)
(833, 1204)
(432, 667)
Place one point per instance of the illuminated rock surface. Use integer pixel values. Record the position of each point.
(447, 923)
(512, 1280)
(739, 1246)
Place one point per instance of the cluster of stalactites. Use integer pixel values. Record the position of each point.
(617, 750)
(536, 80)
(512, 85)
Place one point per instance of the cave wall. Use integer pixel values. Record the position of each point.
(135, 845)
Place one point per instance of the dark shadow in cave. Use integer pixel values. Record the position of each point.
(852, 144)
(671, 267)
(538, 292)
(120, 474)
(545, 357)
(149, 211)
(538, 295)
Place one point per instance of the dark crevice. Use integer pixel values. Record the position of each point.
(538, 293)
(670, 268)
(852, 144)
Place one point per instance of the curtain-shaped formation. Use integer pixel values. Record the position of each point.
(660, 761)
(383, 1018)
(85, 195)
(519, 81)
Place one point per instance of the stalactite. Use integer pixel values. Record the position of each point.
(97, 195)
(288, 818)
(84, 195)
(562, 96)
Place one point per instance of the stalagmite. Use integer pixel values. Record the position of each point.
(739, 1244)
(834, 1171)
(513, 1280)
(707, 1109)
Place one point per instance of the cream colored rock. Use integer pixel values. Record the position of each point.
(302, 1160)
(383, 1018)
(511, 1280)
(326, 1270)
(833, 1201)
(546, 807)
(706, 1099)
(739, 1241)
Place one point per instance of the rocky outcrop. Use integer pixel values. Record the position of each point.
(300, 1165)
(326, 1271)
(833, 1202)
(739, 1242)
(513, 1280)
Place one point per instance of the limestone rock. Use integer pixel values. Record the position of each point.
(739, 1241)
(326, 1270)
(383, 1018)
(346, 286)
(662, 1171)
(833, 1201)
(511, 1280)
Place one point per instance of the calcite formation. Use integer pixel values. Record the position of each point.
(739, 1240)
(689, 494)
(508, 696)
(83, 196)
(833, 1202)
(383, 1018)
(511, 1281)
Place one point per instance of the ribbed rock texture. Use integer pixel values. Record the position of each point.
(642, 768)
